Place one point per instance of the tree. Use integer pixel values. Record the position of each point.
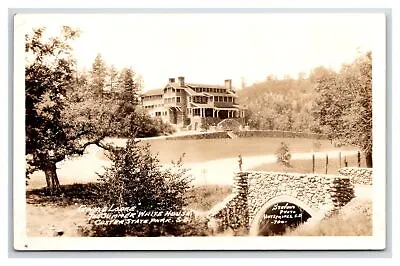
(112, 81)
(129, 86)
(344, 104)
(64, 115)
(137, 179)
(61, 118)
(98, 76)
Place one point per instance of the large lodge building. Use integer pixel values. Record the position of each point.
(192, 104)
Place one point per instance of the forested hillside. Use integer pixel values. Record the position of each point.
(280, 104)
(338, 104)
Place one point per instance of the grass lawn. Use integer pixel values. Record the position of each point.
(202, 150)
(47, 215)
(203, 198)
(305, 166)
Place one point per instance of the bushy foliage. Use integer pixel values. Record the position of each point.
(343, 107)
(136, 179)
(283, 154)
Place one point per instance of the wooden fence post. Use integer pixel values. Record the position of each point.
(345, 162)
(313, 163)
(359, 159)
(326, 164)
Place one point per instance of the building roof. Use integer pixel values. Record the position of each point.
(192, 92)
(153, 92)
(188, 87)
(174, 85)
(198, 85)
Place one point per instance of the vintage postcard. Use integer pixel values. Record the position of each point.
(199, 131)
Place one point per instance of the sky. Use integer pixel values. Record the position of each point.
(209, 48)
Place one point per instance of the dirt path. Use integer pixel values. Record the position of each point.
(83, 169)
(222, 171)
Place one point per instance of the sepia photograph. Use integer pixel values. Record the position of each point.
(199, 131)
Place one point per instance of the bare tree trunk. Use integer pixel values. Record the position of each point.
(53, 184)
(368, 159)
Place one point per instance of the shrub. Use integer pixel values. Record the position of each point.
(136, 179)
(139, 124)
(283, 155)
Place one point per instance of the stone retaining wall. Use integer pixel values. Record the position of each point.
(277, 134)
(248, 134)
(205, 135)
(359, 176)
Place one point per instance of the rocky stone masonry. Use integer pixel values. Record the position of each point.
(233, 214)
(360, 176)
(253, 189)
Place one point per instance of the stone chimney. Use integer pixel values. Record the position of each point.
(181, 81)
(171, 80)
(228, 84)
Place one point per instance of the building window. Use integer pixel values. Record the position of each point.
(178, 99)
(230, 99)
(211, 99)
(190, 99)
(225, 99)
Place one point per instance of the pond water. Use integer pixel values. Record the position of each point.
(201, 150)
